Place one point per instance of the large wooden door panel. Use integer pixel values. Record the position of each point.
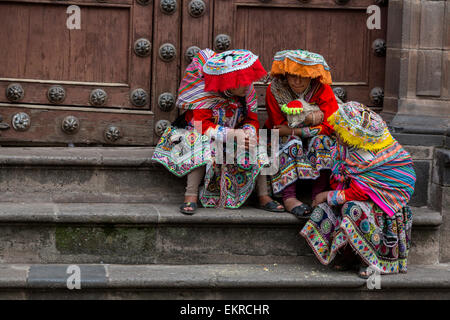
(41, 51)
(338, 32)
(105, 65)
(118, 75)
(41, 48)
(102, 127)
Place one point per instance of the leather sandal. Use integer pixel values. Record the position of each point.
(192, 205)
(301, 211)
(364, 272)
(272, 206)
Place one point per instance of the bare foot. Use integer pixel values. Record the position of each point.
(291, 203)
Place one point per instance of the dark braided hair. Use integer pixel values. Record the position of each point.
(243, 102)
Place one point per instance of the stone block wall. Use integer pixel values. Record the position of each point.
(440, 199)
(423, 161)
(417, 97)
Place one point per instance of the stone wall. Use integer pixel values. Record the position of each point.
(423, 162)
(417, 94)
(417, 99)
(440, 198)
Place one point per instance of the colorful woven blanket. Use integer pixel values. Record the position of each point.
(387, 176)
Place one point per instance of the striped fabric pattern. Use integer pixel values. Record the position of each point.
(387, 176)
(192, 95)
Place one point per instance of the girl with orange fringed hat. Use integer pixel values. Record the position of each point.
(298, 101)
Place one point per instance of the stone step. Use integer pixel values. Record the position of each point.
(58, 174)
(109, 174)
(145, 233)
(217, 281)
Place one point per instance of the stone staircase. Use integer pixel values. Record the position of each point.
(114, 213)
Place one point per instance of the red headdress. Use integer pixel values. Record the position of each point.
(232, 69)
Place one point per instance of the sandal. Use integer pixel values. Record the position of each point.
(272, 206)
(364, 272)
(301, 211)
(191, 205)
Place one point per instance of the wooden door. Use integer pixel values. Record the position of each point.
(114, 81)
(336, 29)
(90, 85)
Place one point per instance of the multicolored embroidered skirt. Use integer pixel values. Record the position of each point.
(381, 241)
(297, 162)
(226, 185)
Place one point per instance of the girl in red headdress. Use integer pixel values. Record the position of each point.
(219, 99)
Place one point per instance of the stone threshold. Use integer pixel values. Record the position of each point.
(213, 276)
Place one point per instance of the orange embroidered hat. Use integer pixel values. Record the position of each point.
(301, 63)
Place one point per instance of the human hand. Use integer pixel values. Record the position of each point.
(284, 130)
(314, 118)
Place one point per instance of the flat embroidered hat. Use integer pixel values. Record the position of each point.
(301, 63)
(361, 127)
(232, 69)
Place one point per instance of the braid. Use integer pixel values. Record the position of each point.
(243, 102)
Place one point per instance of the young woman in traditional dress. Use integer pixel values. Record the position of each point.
(304, 152)
(367, 213)
(219, 99)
